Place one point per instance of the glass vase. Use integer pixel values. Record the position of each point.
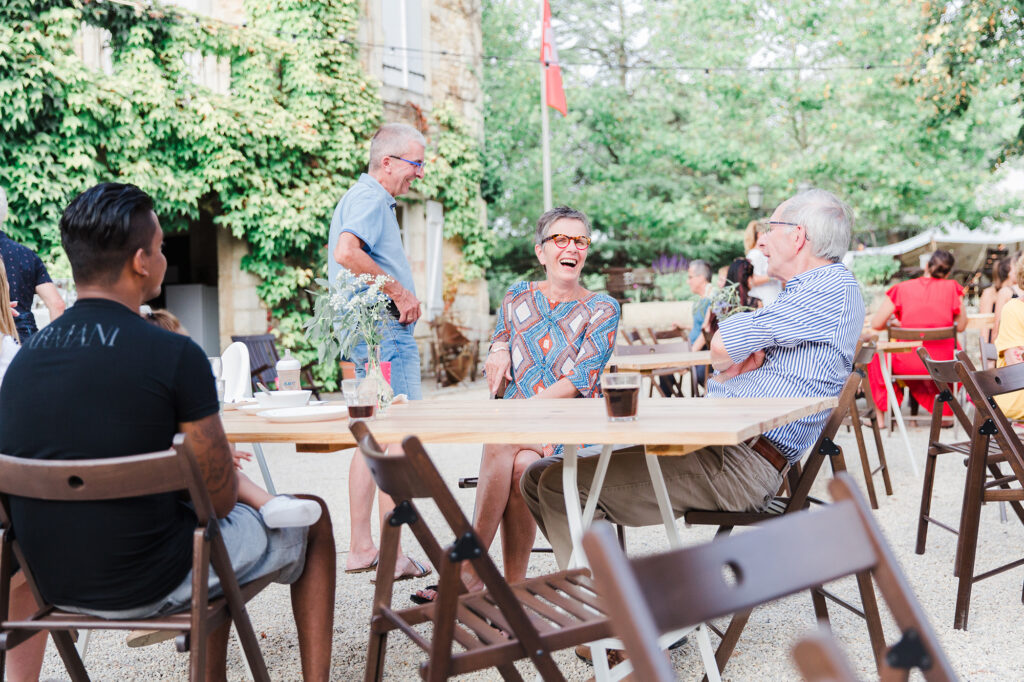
(375, 377)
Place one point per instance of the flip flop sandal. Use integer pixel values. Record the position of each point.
(364, 569)
(417, 599)
(421, 572)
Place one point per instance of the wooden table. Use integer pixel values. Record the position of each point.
(886, 348)
(689, 425)
(651, 361)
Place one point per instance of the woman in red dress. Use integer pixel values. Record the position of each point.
(921, 303)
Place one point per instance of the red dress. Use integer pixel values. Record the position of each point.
(921, 303)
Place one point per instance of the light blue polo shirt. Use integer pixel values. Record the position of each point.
(368, 211)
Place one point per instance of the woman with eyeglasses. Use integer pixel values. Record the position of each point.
(552, 340)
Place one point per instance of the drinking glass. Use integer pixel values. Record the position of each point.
(621, 395)
(359, 403)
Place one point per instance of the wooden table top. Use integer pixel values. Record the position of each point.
(690, 421)
(897, 346)
(652, 361)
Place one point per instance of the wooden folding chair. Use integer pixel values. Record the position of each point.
(916, 334)
(944, 374)
(263, 357)
(861, 360)
(799, 482)
(989, 355)
(171, 471)
(983, 386)
(645, 596)
(494, 627)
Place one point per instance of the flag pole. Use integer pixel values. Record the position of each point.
(545, 128)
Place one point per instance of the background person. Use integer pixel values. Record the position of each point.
(1010, 345)
(552, 340)
(762, 286)
(925, 302)
(365, 238)
(26, 277)
(8, 332)
(1008, 291)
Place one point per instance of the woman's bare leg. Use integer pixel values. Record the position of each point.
(518, 527)
(251, 494)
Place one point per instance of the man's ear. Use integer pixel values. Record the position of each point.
(140, 263)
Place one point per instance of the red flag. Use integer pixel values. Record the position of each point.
(549, 58)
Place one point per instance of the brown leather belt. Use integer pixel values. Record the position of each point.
(769, 452)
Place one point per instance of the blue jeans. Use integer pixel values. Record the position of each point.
(399, 348)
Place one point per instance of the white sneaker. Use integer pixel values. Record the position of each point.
(285, 511)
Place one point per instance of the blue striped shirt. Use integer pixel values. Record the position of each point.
(808, 336)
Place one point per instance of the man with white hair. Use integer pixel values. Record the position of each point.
(802, 345)
(27, 276)
(365, 238)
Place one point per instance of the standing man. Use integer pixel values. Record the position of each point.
(27, 276)
(365, 238)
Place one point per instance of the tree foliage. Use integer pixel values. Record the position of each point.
(677, 106)
(267, 161)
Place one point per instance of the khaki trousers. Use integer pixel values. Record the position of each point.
(717, 478)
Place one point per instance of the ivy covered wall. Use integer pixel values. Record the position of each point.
(268, 161)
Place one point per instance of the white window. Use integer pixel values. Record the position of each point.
(93, 47)
(403, 60)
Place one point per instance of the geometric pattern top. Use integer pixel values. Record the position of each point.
(548, 341)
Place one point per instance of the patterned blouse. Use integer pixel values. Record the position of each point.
(549, 341)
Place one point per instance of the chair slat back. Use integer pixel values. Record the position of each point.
(668, 334)
(743, 570)
(651, 595)
(262, 353)
(944, 374)
(93, 479)
(393, 473)
(982, 386)
(864, 355)
(911, 334)
(821, 446)
(989, 355)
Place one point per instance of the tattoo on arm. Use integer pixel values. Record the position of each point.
(213, 453)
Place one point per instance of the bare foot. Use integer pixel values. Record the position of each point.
(407, 568)
(359, 562)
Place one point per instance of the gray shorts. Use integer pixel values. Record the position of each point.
(254, 551)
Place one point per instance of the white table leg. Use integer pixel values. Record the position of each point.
(895, 407)
(661, 494)
(596, 485)
(257, 449)
(571, 493)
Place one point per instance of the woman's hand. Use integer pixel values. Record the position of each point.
(1014, 356)
(498, 366)
(240, 456)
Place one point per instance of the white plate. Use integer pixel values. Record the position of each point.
(257, 408)
(321, 413)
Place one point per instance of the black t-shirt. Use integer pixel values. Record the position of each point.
(25, 271)
(102, 382)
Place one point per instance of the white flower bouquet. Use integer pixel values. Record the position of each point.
(349, 310)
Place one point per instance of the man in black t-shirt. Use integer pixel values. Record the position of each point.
(102, 382)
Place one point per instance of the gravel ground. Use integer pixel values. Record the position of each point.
(990, 650)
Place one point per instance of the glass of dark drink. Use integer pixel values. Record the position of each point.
(361, 402)
(621, 395)
(361, 411)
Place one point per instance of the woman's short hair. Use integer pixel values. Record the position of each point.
(555, 214)
(164, 319)
(1001, 271)
(827, 219)
(750, 235)
(103, 227)
(940, 264)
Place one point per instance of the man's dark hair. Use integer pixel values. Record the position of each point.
(102, 229)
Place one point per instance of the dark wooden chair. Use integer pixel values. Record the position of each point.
(944, 374)
(493, 628)
(989, 355)
(781, 557)
(263, 357)
(982, 386)
(864, 407)
(632, 336)
(917, 334)
(799, 480)
(455, 356)
(175, 470)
